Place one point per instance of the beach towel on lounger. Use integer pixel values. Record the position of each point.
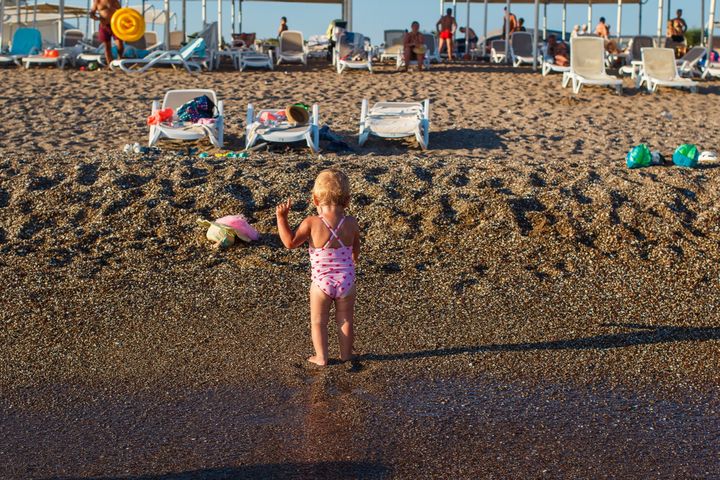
(195, 109)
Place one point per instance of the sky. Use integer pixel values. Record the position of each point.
(372, 17)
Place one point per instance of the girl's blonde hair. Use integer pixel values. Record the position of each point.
(332, 187)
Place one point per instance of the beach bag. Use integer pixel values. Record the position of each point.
(686, 155)
(195, 109)
(639, 156)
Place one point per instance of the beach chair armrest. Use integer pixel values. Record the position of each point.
(220, 108)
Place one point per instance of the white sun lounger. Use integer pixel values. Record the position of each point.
(497, 51)
(660, 69)
(175, 99)
(396, 120)
(688, 64)
(173, 58)
(350, 53)
(393, 47)
(587, 64)
(711, 70)
(521, 48)
(254, 59)
(292, 47)
(633, 61)
(283, 132)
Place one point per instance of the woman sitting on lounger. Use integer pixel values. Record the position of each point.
(557, 52)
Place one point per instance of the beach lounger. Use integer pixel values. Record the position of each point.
(350, 52)
(172, 58)
(282, 132)
(175, 99)
(25, 41)
(255, 59)
(521, 48)
(688, 64)
(393, 47)
(430, 42)
(660, 69)
(396, 120)
(633, 61)
(587, 64)
(291, 47)
(497, 51)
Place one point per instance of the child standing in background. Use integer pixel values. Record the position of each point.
(334, 247)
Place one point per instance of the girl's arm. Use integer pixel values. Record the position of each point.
(288, 238)
(356, 245)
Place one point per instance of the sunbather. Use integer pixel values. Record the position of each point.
(557, 52)
(103, 10)
(602, 29)
(283, 26)
(414, 46)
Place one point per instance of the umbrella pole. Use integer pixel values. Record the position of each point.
(536, 31)
(544, 21)
(467, 28)
(711, 30)
(203, 8)
(485, 27)
(507, 30)
(184, 20)
(61, 6)
(619, 18)
(564, 20)
(167, 24)
(589, 22)
(240, 16)
(35, 14)
(660, 22)
(2, 24)
(702, 19)
(219, 20)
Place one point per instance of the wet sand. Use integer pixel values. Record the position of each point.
(527, 306)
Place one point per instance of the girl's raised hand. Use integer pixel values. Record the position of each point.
(283, 209)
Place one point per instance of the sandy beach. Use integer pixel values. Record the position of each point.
(527, 306)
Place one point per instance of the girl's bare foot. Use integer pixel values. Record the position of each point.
(317, 361)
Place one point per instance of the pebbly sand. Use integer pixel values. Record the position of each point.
(528, 307)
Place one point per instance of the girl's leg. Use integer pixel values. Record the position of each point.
(344, 314)
(319, 314)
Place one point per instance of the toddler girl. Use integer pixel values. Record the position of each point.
(334, 241)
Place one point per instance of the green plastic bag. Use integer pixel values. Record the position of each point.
(686, 155)
(639, 156)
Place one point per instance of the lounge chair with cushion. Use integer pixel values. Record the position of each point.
(25, 41)
(173, 58)
(350, 52)
(396, 120)
(521, 48)
(688, 64)
(175, 99)
(262, 126)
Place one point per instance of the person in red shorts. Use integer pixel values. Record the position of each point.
(103, 10)
(446, 26)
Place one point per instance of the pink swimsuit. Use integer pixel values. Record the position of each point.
(333, 269)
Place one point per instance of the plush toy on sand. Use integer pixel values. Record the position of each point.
(222, 231)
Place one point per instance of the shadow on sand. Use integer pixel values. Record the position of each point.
(279, 471)
(641, 335)
(467, 139)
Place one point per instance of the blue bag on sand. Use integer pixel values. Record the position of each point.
(686, 155)
(639, 156)
(195, 109)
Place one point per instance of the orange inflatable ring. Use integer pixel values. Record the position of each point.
(127, 24)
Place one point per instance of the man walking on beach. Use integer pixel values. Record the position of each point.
(678, 27)
(446, 26)
(103, 10)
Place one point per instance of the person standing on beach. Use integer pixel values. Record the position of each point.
(446, 27)
(283, 26)
(510, 22)
(678, 27)
(334, 241)
(414, 46)
(103, 10)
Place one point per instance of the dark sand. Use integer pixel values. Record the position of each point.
(528, 308)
